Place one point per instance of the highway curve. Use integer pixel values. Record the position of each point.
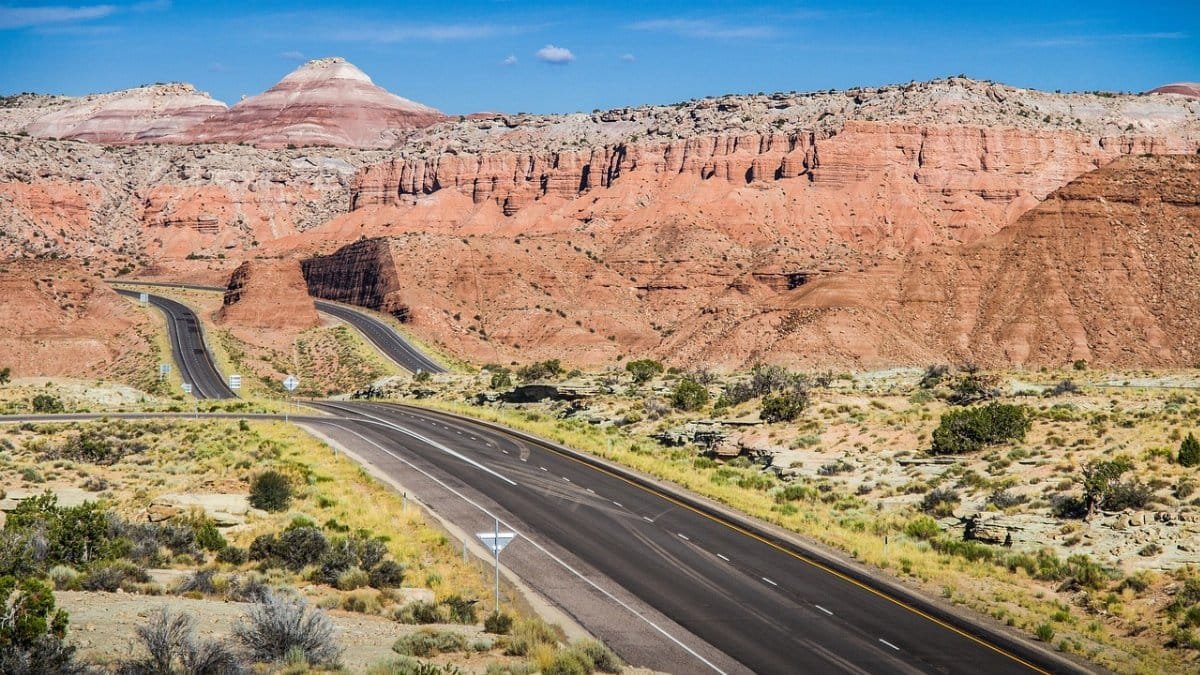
(763, 604)
(393, 345)
(188, 349)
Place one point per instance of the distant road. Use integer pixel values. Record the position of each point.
(188, 348)
(384, 337)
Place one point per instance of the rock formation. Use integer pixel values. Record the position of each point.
(143, 115)
(1189, 89)
(1098, 271)
(268, 294)
(57, 320)
(324, 102)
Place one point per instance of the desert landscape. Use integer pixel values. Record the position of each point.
(268, 367)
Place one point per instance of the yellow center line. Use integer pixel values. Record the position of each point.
(768, 542)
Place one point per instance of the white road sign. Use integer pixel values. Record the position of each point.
(496, 541)
(144, 297)
(291, 383)
(187, 387)
(235, 382)
(164, 368)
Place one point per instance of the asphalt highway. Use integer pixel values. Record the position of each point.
(188, 348)
(765, 606)
(383, 336)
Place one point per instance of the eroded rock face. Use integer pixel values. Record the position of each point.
(268, 294)
(1099, 271)
(141, 115)
(58, 320)
(1189, 89)
(324, 102)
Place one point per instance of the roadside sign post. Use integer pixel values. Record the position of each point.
(164, 369)
(144, 298)
(290, 383)
(187, 389)
(496, 541)
(235, 382)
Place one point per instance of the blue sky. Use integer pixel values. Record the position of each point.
(564, 56)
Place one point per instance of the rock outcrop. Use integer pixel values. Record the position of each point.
(142, 115)
(58, 320)
(324, 102)
(1189, 89)
(268, 294)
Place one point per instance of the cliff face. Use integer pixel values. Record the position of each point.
(925, 181)
(268, 294)
(1099, 271)
(58, 320)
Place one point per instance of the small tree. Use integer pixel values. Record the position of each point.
(644, 369)
(784, 407)
(501, 378)
(32, 631)
(689, 395)
(45, 403)
(270, 491)
(5, 375)
(1189, 451)
(1099, 477)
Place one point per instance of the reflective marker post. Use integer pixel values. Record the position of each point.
(496, 541)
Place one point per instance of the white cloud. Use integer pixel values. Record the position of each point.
(292, 55)
(627, 58)
(510, 60)
(27, 17)
(702, 28)
(559, 56)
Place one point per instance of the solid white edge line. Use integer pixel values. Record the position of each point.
(769, 581)
(539, 547)
(823, 610)
(722, 557)
(684, 537)
(889, 644)
(431, 442)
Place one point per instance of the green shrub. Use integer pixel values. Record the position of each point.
(498, 623)
(940, 501)
(526, 635)
(270, 491)
(922, 527)
(783, 407)
(112, 575)
(419, 611)
(232, 555)
(353, 578)
(1044, 632)
(689, 395)
(644, 369)
(387, 574)
(461, 610)
(501, 379)
(33, 630)
(569, 662)
(970, 429)
(428, 642)
(45, 403)
(601, 657)
(1189, 451)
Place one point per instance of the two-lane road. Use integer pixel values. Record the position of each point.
(188, 349)
(389, 341)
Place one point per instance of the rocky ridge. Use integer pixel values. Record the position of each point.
(143, 115)
(324, 102)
